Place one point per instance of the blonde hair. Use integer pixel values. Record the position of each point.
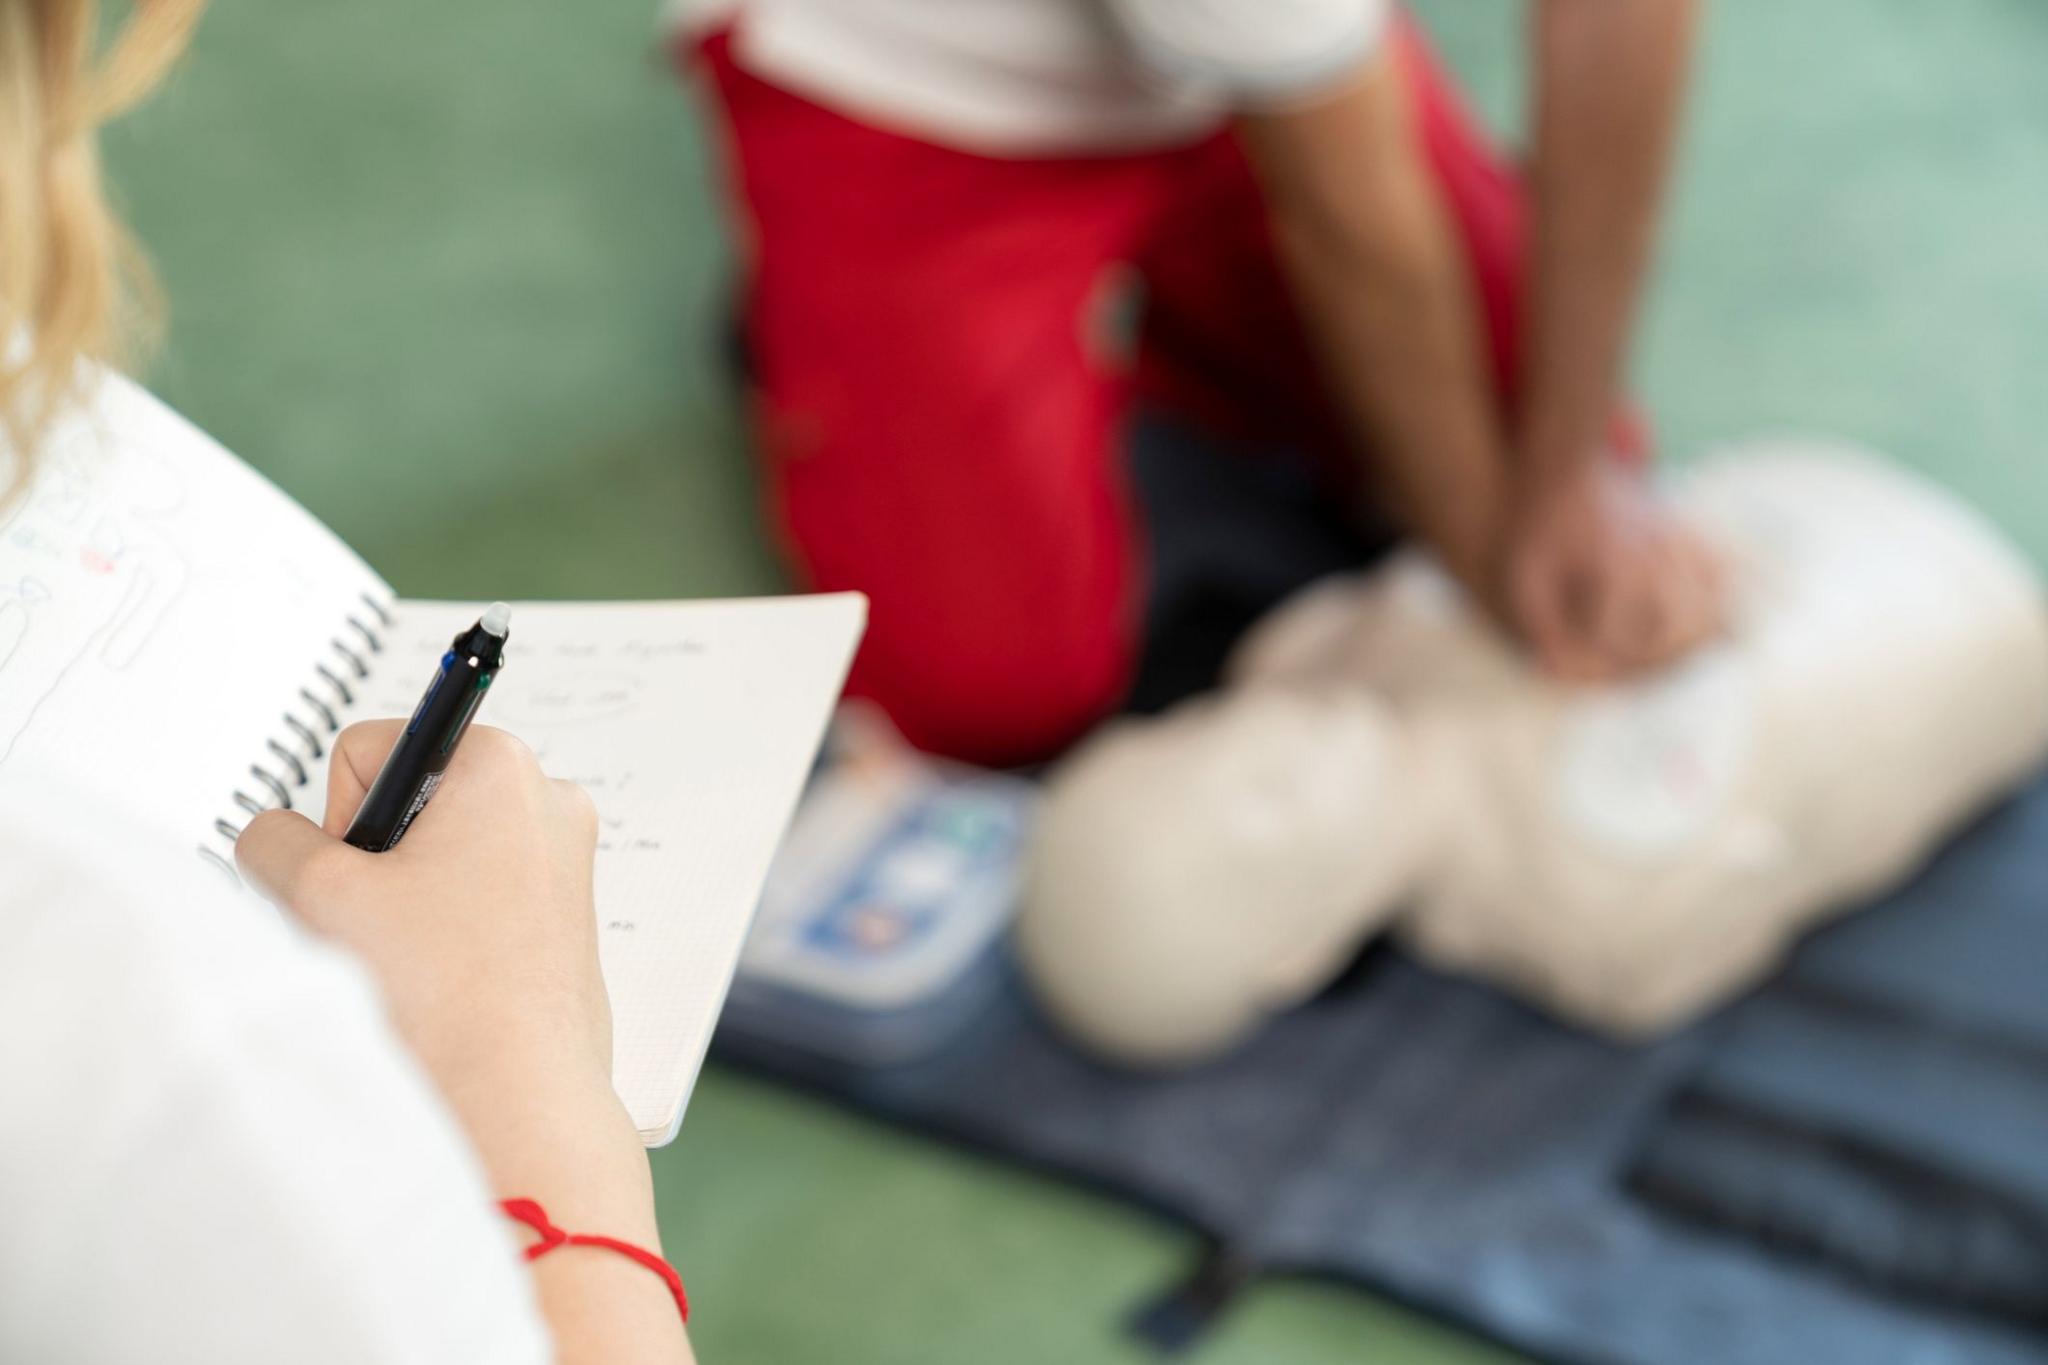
(71, 284)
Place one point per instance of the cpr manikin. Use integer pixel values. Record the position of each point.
(1626, 857)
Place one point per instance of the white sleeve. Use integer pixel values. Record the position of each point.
(212, 1150)
(1251, 52)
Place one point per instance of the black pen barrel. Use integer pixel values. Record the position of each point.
(413, 770)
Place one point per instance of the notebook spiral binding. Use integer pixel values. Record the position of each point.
(286, 763)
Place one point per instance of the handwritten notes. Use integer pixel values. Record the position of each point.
(692, 725)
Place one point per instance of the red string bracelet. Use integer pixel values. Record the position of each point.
(552, 1238)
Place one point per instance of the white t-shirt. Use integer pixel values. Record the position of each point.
(1048, 76)
(212, 1149)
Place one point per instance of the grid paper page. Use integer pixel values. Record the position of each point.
(693, 725)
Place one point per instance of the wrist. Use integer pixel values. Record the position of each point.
(1559, 488)
(1572, 440)
(474, 1051)
(1551, 469)
(1468, 538)
(558, 1133)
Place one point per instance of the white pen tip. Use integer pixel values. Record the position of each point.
(497, 617)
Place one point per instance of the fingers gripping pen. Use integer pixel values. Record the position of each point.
(409, 776)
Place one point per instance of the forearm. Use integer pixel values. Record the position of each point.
(567, 1142)
(1373, 261)
(1610, 78)
(482, 932)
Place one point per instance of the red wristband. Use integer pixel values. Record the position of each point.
(529, 1212)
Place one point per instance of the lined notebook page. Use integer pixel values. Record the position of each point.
(161, 605)
(693, 725)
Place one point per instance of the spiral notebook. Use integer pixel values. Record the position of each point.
(188, 639)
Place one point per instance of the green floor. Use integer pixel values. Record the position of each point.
(459, 254)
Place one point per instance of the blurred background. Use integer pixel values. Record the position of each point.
(469, 249)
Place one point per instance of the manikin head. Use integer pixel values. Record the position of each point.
(1194, 874)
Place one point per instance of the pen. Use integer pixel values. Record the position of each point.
(407, 780)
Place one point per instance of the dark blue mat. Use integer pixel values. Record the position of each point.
(1849, 1166)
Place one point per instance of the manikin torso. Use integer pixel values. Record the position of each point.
(1626, 857)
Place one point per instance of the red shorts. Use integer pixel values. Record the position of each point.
(942, 391)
